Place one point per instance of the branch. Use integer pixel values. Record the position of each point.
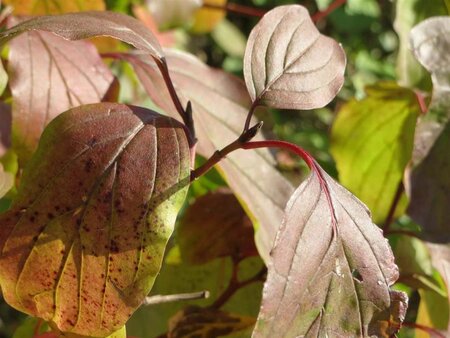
(158, 299)
(322, 14)
(431, 331)
(395, 201)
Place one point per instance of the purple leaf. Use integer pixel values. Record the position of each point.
(330, 269)
(48, 76)
(220, 105)
(289, 64)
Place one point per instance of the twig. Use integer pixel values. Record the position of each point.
(332, 7)
(158, 299)
(431, 331)
(394, 204)
(237, 9)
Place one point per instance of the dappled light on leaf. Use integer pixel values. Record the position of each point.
(289, 64)
(331, 269)
(48, 76)
(372, 142)
(84, 239)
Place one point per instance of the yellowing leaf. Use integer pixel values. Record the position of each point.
(372, 143)
(42, 7)
(84, 239)
(205, 19)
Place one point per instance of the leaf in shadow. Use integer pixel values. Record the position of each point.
(84, 239)
(48, 76)
(5, 128)
(288, 64)
(427, 181)
(220, 104)
(215, 225)
(331, 269)
(372, 142)
(197, 322)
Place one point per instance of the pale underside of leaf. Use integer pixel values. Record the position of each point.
(48, 76)
(84, 240)
(326, 283)
(220, 105)
(289, 64)
(83, 25)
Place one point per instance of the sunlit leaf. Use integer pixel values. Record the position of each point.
(42, 7)
(220, 104)
(433, 312)
(289, 64)
(197, 322)
(428, 182)
(84, 239)
(215, 225)
(372, 142)
(205, 19)
(173, 12)
(77, 26)
(6, 181)
(331, 269)
(408, 14)
(230, 38)
(48, 76)
(3, 78)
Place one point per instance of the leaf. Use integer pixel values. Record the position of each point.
(408, 14)
(220, 104)
(331, 269)
(427, 182)
(173, 13)
(84, 239)
(78, 26)
(288, 64)
(48, 76)
(230, 38)
(215, 225)
(372, 142)
(3, 78)
(433, 312)
(152, 321)
(6, 181)
(42, 7)
(206, 19)
(197, 322)
(5, 128)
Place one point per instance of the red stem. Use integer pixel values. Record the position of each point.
(421, 100)
(395, 201)
(431, 331)
(237, 9)
(322, 14)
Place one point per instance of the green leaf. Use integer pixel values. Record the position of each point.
(433, 310)
(372, 142)
(6, 181)
(230, 38)
(3, 78)
(84, 239)
(408, 14)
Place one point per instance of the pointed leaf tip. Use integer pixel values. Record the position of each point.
(326, 283)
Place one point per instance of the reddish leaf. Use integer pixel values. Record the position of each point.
(197, 322)
(331, 269)
(289, 64)
(77, 26)
(84, 239)
(215, 226)
(48, 76)
(220, 104)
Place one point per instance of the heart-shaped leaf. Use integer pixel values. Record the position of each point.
(83, 25)
(49, 75)
(331, 269)
(37, 7)
(289, 64)
(84, 239)
(220, 104)
(215, 225)
(372, 141)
